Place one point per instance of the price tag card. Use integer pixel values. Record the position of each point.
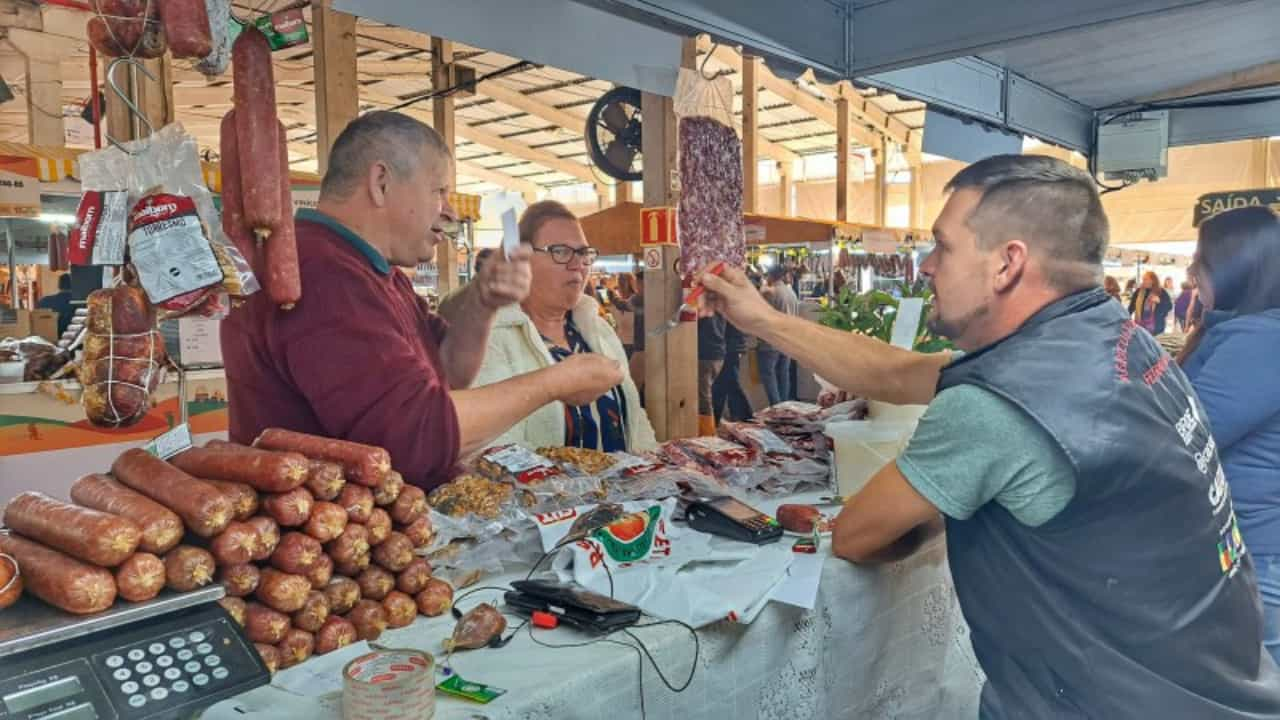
(170, 443)
(510, 233)
(907, 322)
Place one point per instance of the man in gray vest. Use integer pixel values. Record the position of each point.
(1090, 533)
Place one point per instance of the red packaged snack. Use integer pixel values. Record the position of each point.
(515, 464)
(170, 251)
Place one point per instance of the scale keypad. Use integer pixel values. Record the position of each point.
(162, 671)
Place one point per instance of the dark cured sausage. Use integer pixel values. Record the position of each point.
(244, 499)
(364, 464)
(267, 471)
(61, 581)
(140, 578)
(186, 26)
(121, 25)
(257, 134)
(233, 223)
(280, 258)
(101, 538)
(161, 528)
(204, 508)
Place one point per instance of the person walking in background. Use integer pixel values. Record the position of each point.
(727, 388)
(1168, 286)
(1112, 286)
(1182, 306)
(775, 368)
(1230, 359)
(711, 350)
(1150, 305)
(624, 315)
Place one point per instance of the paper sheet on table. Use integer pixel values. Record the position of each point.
(907, 322)
(682, 575)
(800, 587)
(510, 233)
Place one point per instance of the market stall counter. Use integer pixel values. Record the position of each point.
(885, 641)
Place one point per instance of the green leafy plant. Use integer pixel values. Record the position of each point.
(872, 313)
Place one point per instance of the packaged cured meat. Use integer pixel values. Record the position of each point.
(219, 58)
(186, 27)
(515, 464)
(759, 438)
(717, 452)
(477, 628)
(123, 358)
(169, 248)
(709, 215)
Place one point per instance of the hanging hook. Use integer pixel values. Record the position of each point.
(703, 67)
(134, 111)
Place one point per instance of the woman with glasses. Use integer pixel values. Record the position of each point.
(556, 321)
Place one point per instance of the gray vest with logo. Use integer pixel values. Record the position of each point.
(1138, 600)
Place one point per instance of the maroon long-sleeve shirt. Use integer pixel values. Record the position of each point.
(357, 358)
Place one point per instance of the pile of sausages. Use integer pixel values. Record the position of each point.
(314, 540)
(257, 202)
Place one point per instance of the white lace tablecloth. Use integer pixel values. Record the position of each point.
(881, 642)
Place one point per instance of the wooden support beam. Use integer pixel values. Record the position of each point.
(443, 122)
(41, 55)
(1261, 162)
(20, 14)
(915, 197)
(874, 117)
(337, 90)
(842, 159)
(882, 182)
(529, 104)
(750, 132)
(821, 108)
(671, 360)
(784, 187)
(621, 192)
(510, 182)
(546, 159)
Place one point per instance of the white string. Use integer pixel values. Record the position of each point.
(17, 573)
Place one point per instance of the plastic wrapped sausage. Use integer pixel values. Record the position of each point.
(257, 132)
(363, 464)
(101, 538)
(205, 509)
(244, 499)
(186, 27)
(141, 577)
(60, 580)
(161, 527)
(272, 472)
(187, 568)
(281, 276)
(233, 224)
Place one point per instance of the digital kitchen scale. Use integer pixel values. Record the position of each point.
(166, 658)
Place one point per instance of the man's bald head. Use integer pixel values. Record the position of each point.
(394, 139)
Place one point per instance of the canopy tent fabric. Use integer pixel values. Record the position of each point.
(54, 163)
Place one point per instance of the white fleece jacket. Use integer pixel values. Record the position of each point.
(515, 348)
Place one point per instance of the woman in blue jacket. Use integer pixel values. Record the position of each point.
(1233, 360)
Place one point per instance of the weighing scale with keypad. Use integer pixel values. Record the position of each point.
(167, 658)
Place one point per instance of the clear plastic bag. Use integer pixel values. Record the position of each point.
(167, 162)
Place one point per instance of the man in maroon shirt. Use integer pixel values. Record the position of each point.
(360, 357)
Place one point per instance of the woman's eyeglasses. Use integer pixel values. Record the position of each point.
(563, 254)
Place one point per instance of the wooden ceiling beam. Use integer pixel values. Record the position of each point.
(524, 152)
(510, 182)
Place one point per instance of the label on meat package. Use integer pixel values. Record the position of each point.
(88, 215)
(520, 463)
(109, 242)
(630, 465)
(766, 439)
(169, 249)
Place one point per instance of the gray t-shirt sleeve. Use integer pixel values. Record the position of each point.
(973, 447)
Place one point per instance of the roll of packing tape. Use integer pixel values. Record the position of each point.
(389, 684)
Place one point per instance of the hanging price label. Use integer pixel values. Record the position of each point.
(171, 443)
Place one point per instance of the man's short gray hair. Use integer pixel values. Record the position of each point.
(1050, 204)
(380, 136)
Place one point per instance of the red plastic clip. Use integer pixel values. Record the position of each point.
(545, 620)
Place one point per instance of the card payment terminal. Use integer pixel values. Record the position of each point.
(734, 519)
